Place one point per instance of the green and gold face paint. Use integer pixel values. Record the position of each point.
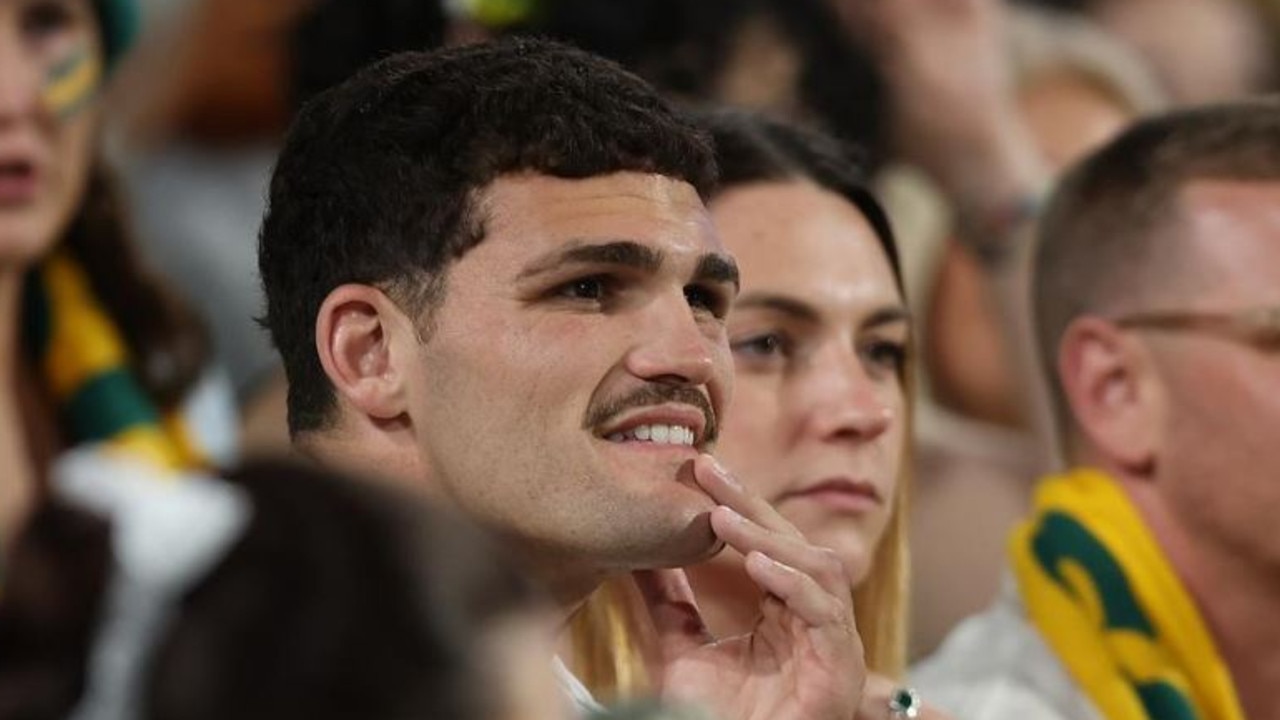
(72, 82)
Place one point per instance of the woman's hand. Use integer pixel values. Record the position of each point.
(802, 661)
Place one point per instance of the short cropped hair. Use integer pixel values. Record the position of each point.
(1108, 240)
(378, 177)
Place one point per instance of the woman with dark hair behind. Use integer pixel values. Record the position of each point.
(282, 592)
(820, 423)
(94, 353)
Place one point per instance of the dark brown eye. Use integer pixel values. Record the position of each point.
(588, 288)
(762, 346)
(887, 354)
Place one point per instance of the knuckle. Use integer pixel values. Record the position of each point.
(829, 568)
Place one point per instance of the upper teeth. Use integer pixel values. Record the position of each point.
(661, 434)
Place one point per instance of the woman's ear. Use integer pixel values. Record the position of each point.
(356, 329)
(1107, 378)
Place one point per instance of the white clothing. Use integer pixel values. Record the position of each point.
(996, 666)
(578, 693)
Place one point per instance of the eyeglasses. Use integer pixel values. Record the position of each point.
(1259, 327)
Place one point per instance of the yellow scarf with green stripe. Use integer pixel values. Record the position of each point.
(1100, 591)
(85, 364)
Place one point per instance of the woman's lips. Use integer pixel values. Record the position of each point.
(842, 494)
(18, 183)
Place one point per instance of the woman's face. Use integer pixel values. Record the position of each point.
(819, 336)
(50, 74)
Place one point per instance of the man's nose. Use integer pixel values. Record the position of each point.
(842, 401)
(673, 346)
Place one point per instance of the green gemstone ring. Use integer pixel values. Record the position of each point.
(904, 703)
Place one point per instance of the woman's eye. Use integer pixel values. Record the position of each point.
(762, 346)
(890, 355)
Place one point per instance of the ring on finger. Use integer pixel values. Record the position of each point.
(905, 703)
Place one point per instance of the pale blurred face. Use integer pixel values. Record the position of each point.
(819, 335)
(576, 365)
(1069, 117)
(50, 70)
(1219, 451)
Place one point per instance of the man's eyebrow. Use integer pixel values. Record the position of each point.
(586, 252)
(718, 268)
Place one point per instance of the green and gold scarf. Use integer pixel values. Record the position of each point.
(1099, 589)
(85, 364)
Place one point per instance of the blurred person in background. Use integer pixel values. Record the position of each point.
(1145, 579)
(98, 357)
(820, 426)
(790, 58)
(1202, 50)
(279, 592)
(211, 96)
(1040, 89)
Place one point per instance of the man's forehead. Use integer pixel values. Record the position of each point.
(634, 205)
(565, 200)
(1229, 212)
(1232, 233)
(1253, 198)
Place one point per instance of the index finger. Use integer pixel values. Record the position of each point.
(725, 489)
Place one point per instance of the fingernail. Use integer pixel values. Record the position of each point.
(734, 515)
(724, 474)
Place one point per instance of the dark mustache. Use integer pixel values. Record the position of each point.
(654, 394)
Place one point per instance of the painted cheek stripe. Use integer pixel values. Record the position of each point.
(71, 83)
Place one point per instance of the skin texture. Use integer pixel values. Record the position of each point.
(818, 335)
(592, 306)
(513, 401)
(1185, 419)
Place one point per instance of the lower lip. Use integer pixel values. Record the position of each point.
(17, 189)
(840, 500)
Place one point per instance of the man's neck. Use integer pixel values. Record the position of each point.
(561, 575)
(1238, 601)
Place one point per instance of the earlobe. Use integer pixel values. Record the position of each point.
(1104, 376)
(356, 329)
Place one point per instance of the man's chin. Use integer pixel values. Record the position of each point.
(690, 545)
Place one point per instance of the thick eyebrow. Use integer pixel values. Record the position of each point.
(584, 252)
(717, 268)
(803, 311)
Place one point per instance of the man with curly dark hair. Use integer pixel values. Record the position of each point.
(492, 278)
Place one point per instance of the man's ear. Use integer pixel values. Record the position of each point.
(356, 332)
(1110, 385)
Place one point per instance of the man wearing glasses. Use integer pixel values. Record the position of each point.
(1146, 584)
